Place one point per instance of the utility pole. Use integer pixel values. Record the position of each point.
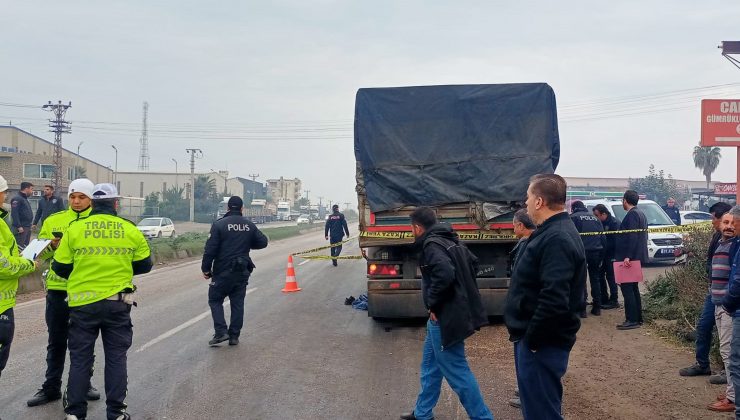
(346, 206)
(58, 126)
(177, 181)
(193, 153)
(144, 142)
(254, 184)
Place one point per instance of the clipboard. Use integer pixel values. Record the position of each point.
(631, 274)
(36, 249)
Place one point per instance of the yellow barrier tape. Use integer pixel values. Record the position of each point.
(329, 257)
(336, 244)
(667, 229)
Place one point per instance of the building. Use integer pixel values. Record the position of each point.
(27, 157)
(141, 184)
(284, 189)
(247, 189)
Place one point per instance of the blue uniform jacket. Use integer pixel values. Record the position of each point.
(731, 302)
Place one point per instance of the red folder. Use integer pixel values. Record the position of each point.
(631, 274)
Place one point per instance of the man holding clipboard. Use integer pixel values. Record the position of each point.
(629, 255)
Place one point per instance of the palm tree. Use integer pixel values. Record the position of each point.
(707, 160)
(205, 187)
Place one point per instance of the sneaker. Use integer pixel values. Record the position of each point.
(695, 370)
(626, 325)
(43, 396)
(218, 339)
(334, 262)
(233, 341)
(92, 394)
(515, 402)
(724, 406)
(73, 417)
(718, 379)
(124, 416)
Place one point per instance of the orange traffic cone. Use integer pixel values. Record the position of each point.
(291, 285)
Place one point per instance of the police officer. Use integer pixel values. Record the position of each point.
(335, 228)
(57, 311)
(226, 261)
(594, 245)
(99, 256)
(12, 266)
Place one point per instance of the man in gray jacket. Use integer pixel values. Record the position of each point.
(22, 215)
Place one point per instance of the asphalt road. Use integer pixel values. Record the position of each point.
(302, 356)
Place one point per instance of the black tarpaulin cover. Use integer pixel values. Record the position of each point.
(432, 145)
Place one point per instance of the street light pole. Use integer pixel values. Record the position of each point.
(177, 182)
(115, 171)
(78, 147)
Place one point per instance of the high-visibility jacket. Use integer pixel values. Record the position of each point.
(99, 256)
(12, 266)
(59, 222)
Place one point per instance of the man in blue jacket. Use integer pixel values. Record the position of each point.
(334, 230)
(731, 304)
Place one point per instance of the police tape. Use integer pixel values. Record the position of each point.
(321, 248)
(329, 257)
(668, 229)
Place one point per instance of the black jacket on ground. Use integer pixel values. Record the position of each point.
(449, 286)
(610, 224)
(632, 245)
(585, 222)
(20, 211)
(673, 213)
(336, 227)
(228, 245)
(47, 207)
(545, 296)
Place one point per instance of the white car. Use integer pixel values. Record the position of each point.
(691, 217)
(661, 246)
(303, 219)
(157, 227)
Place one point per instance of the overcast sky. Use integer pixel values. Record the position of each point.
(268, 87)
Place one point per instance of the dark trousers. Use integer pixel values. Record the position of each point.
(22, 239)
(632, 302)
(336, 250)
(235, 288)
(112, 319)
(593, 263)
(57, 323)
(704, 329)
(7, 328)
(539, 376)
(607, 282)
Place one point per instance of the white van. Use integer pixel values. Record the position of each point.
(661, 246)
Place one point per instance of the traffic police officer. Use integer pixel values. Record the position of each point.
(335, 228)
(226, 261)
(57, 311)
(99, 256)
(12, 266)
(594, 245)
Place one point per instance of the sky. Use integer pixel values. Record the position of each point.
(268, 87)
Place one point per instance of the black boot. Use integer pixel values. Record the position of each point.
(43, 396)
(218, 339)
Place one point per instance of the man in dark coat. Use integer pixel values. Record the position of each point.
(632, 247)
(450, 293)
(48, 205)
(609, 289)
(594, 244)
(672, 211)
(334, 230)
(545, 299)
(22, 215)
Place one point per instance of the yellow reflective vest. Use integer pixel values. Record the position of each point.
(59, 222)
(12, 266)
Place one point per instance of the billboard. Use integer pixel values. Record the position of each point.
(720, 122)
(729, 188)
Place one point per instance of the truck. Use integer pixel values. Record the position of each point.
(258, 210)
(283, 210)
(468, 152)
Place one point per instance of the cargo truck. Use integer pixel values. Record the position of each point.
(468, 152)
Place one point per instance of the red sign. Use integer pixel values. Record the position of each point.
(729, 188)
(720, 122)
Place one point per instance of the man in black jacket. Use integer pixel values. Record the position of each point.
(544, 300)
(672, 211)
(334, 230)
(450, 293)
(48, 205)
(609, 290)
(226, 260)
(22, 215)
(632, 247)
(594, 244)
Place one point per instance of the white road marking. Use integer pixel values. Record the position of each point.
(304, 262)
(181, 327)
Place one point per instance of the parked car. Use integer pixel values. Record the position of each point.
(691, 217)
(661, 246)
(157, 227)
(303, 219)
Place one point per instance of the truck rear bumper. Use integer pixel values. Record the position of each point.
(409, 303)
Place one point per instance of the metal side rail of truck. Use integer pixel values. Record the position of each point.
(393, 275)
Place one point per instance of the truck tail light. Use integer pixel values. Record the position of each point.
(384, 269)
(372, 218)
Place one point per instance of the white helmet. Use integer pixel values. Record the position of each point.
(82, 185)
(104, 192)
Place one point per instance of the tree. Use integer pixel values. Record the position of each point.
(173, 205)
(707, 160)
(205, 187)
(151, 204)
(303, 201)
(80, 172)
(658, 187)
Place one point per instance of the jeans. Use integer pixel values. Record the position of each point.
(734, 373)
(633, 302)
(539, 376)
(449, 364)
(607, 282)
(236, 289)
(336, 250)
(593, 263)
(113, 320)
(704, 328)
(7, 328)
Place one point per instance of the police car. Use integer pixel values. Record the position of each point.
(661, 246)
